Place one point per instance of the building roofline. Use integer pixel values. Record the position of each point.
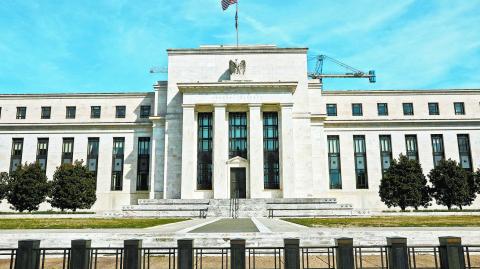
(228, 49)
(70, 95)
(399, 91)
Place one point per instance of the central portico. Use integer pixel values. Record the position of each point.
(226, 129)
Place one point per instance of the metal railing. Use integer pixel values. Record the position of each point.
(450, 254)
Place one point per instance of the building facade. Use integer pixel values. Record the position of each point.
(239, 122)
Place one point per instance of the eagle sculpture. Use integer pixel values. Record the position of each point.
(237, 68)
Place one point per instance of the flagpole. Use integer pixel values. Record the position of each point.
(236, 21)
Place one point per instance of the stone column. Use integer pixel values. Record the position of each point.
(220, 152)
(255, 150)
(157, 157)
(188, 184)
(287, 164)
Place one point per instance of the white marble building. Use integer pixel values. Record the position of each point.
(264, 131)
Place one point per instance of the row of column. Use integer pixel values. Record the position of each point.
(220, 150)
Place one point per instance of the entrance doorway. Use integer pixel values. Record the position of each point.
(238, 182)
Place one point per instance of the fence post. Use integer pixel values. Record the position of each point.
(451, 253)
(132, 254)
(397, 253)
(292, 253)
(344, 253)
(185, 254)
(80, 254)
(237, 254)
(28, 254)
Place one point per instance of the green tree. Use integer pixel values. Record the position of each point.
(451, 184)
(27, 187)
(404, 184)
(73, 187)
(3, 185)
(475, 181)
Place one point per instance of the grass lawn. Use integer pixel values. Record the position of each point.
(86, 223)
(391, 221)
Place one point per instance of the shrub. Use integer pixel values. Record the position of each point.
(404, 184)
(3, 185)
(451, 184)
(27, 187)
(73, 187)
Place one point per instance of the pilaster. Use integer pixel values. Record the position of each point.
(255, 150)
(188, 184)
(287, 166)
(220, 152)
(157, 157)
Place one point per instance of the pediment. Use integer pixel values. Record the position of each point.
(237, 160)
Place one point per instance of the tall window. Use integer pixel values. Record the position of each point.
(16, 155)
(408, 109)
(237, 134)
(334, 162)
(459, 108)
(357, 110)
(143, 163)
(42, 153)
(120, 112)
(46, 111)
(331, 109)
(95, 112)
(412, 147)
(92, 154)
(204, 151)
(433, 109)
(117, 163)
(464, 151)
(21, 112)
(382, 109)
(437, 148)
(70, 112)
(67, 151)
(145, 111)
(385, 151)
(360, 161)
(271, 163)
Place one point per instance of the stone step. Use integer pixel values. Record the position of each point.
(173, 201)
(309, 206)
(165, 207)
(158, 213)
(302, 201)
(317, 213)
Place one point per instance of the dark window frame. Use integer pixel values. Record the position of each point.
(95, 112)
(331, 109)
(67, 156)
(460, 106)
(237, 134)
(408, 109)
(16, 154)
(357, 109)
(385, 151)
(335, 175)
(143, 163)
(438, 148)
(411, 141)
(204, 150)
(360, 153)
(118, 154)
(145, 111)
(433, 109)
(42, 152)
(21, 112)
(93, 149)
(464, 151)
(271, 159)
(120, 112)
(70, 112)
(46, 112)
(382, 109)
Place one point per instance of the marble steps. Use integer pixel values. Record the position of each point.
(166, 207)
(173, 201)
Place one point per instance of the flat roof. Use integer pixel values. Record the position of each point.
(233, 49)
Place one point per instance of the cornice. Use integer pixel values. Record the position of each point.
(75, 95)
(49, 126)
(401, 92)
(289, 86)
(259, 49)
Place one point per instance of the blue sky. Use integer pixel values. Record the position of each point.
(109, 45)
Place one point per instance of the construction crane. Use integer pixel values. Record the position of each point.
(354, 73)
(158, 69)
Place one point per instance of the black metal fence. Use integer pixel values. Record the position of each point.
(396, 254)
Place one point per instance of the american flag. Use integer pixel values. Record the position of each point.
(227, 3)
